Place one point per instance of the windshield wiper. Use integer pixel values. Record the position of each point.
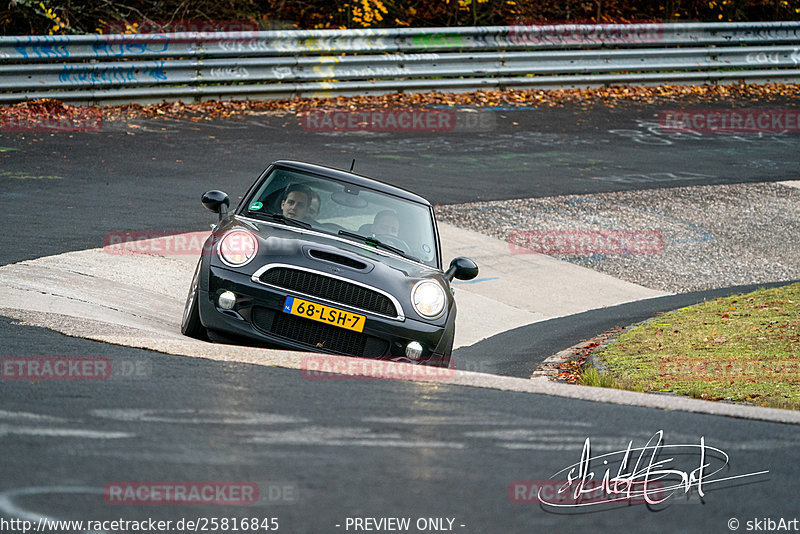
(280, 217)
(376, 243)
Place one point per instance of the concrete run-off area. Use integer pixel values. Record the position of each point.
(145, 290)
(137, 299)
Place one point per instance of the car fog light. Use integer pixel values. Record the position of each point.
(227, 300)
(414, 350)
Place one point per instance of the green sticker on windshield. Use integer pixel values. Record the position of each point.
(255, 206)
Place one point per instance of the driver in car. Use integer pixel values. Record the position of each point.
(386, 222)
(295, 201)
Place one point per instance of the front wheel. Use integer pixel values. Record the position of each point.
(191, 325)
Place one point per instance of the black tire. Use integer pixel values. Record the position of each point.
(191, 325)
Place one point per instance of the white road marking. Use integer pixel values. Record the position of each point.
(189, 416)
(6, 430)
(467, 420)
(344, 437)
(27, 416)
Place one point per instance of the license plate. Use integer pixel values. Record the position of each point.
(324, 314)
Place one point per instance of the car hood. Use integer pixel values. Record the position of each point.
(328, 254)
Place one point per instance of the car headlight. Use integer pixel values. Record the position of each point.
(428, 299)
(237, 248)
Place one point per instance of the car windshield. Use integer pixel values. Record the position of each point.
(347, 211)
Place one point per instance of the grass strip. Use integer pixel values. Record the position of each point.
(742, 348)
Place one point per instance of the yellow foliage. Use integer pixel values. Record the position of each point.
(50, 14)
(367, 12)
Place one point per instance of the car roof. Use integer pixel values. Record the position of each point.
(350, 177)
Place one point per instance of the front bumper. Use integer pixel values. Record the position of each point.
(258, 315)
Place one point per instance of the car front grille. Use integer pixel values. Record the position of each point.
(318, 335)
(331, 289)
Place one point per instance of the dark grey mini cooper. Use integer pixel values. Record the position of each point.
(322, 260)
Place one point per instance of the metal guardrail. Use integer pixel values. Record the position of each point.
(276, 64)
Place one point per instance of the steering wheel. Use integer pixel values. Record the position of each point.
(393, 241)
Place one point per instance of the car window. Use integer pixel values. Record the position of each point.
(399, 223)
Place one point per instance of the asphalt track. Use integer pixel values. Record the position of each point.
(343, 448)
(149, 174)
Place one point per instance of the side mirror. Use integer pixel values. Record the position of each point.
(461, 268)
(216, 201)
